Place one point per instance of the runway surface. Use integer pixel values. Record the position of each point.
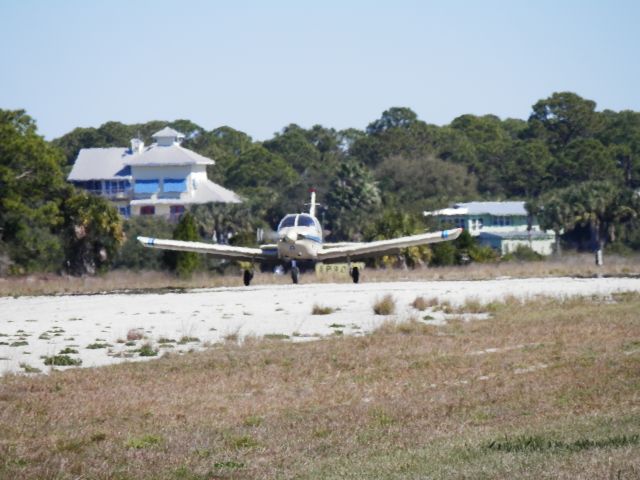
(35, 327)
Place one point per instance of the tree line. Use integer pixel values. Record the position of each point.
(578, 169)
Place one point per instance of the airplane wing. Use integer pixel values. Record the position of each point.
(265, 252)
(378, 248)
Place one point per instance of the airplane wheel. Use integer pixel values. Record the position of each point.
(295, 274)
(355, 274)
(247, 277)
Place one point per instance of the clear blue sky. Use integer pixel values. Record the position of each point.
(260, 65)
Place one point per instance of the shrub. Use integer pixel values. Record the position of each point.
(147, 350)
(385, 306)
(68, 350)
(62, 361)
(421, 303)
(523, 254)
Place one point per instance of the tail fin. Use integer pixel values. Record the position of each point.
(312, 204)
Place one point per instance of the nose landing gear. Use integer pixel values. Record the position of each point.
(295, 272)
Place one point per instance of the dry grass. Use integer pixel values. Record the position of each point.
(385, 305)
(569, 265)
(543, 390)
(421, 303)
(322, 310)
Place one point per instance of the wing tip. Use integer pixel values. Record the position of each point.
(147, 241)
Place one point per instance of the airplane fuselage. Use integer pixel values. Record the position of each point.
(299, 238)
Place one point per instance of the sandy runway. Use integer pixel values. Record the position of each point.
(96, 326)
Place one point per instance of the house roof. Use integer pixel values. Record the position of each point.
(518, 235)
(479, 208)
(101, 164)
(167, 155)
(167, 132)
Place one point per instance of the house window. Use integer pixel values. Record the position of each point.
(175, 185)
(125, 211)
(176, 209)
(146, 187)
(147, 210)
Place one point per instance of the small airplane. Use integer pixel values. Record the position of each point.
(300, 242)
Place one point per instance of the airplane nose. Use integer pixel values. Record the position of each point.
(289, 237)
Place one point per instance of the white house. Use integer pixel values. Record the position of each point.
(160, 179)
(501, 225)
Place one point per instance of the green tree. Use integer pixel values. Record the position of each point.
(32, 189)
(526, 170)
(352, 197)
(184, 263)
(392, 224)
(563, 118)
(132, 254)
(422, 182)
(92, 233)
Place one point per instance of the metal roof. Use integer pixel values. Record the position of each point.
(518, 235)
(167, 132)
(205, 192)
(101, 164)
(483, 208)
(167, 155)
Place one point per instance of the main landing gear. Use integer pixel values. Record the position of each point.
(355, 274)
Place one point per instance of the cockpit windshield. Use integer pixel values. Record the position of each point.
(305, 221)
(288, 221)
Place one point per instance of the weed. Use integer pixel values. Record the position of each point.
(421, 303)
(29, 369)
(538, 443)
(62, 361)
(44, 336)
(186, 339)
(98, 437)
(68, 350)
(385, 306)
(230, 464)
(242, 442)
(147, 350)
(97, 345)
(276, 336)
(19, 343)
(321, 310)
(253, 421)
(337, 325)
(145, 441)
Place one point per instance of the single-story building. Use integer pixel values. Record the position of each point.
(500, 225)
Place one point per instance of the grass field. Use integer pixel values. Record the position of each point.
(549, 389)
(580, 265)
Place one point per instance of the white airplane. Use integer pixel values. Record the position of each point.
(300, 242)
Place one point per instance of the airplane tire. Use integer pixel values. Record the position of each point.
(355, 274)
(295, 274)
(247, 277)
